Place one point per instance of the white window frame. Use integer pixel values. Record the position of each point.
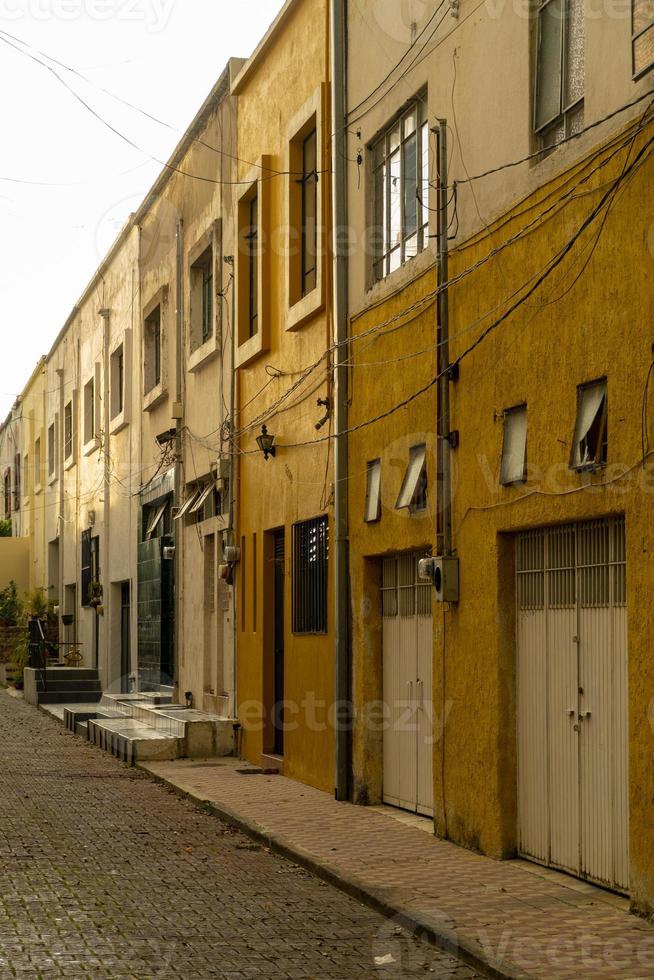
(636, 34)
(391, 250)
(514, 446)
(372, 512)
(569, 117)
(416, 465)
(592, 405)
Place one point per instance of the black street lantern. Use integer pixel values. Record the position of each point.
(266, 443)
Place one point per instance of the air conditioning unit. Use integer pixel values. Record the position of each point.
(444, 573)
(220, 469)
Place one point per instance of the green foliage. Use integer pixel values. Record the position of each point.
(5, 528)
(11, 608)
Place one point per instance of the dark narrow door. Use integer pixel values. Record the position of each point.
(280, 563)
(125, 638)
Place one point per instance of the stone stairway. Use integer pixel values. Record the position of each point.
(62, 685)
(147, 726)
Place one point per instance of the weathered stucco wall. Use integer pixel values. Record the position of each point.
(286, 78)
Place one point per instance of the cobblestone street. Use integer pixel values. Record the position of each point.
(108, 874)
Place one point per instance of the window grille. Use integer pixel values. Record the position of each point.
(310, 583)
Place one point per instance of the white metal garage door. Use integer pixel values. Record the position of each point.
(572, 699)
(407, 685)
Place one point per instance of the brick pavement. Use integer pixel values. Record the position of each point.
(518, 919)
(105, 873)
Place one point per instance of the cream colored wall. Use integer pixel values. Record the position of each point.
(488, 107)
(200, 208)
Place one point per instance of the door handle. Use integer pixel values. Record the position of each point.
(421, 697)
(584, 714)
(571, 712)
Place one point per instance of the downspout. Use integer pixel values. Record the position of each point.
(343, 684)
(233, 477)
(444, 336)
(178, 412)
(106, 508)
(59, 450)
(443, 423)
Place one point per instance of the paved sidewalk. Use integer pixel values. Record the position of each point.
(517, 919)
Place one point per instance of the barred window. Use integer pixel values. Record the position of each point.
(310, 557)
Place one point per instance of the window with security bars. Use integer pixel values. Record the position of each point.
(400, 161)
(642, 23)
(574, 565)
(560, 71)
(403, 593)
(310, 562)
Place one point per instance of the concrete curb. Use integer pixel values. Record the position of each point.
(466, 949)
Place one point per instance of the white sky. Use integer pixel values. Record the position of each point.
(163, 56)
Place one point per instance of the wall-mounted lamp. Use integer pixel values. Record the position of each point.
(266, 443)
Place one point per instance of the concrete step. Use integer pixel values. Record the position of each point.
(131, 741)
(67, 684)
(74, 673)
(68, 697)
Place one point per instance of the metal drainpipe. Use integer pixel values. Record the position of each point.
(106, 509)
(444, 318)
(341, 580)
(230, 260)
(179, 424)
(443, 424)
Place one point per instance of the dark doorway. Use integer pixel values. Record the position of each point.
(125, 637)
(280, 574)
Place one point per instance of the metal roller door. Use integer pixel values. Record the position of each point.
(572, 699)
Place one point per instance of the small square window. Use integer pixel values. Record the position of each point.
(590, 443)
(373, 492)
(514, 449)
(413, 494)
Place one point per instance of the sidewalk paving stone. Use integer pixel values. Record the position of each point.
(104, 873)
(515, 918)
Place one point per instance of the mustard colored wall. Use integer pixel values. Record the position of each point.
(282, 78)
(392, 355)
(591, 318)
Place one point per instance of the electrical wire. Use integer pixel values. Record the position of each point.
(399, 63)
(267, 175)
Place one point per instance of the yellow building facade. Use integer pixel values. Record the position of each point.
(283, 330)
(519, 715)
